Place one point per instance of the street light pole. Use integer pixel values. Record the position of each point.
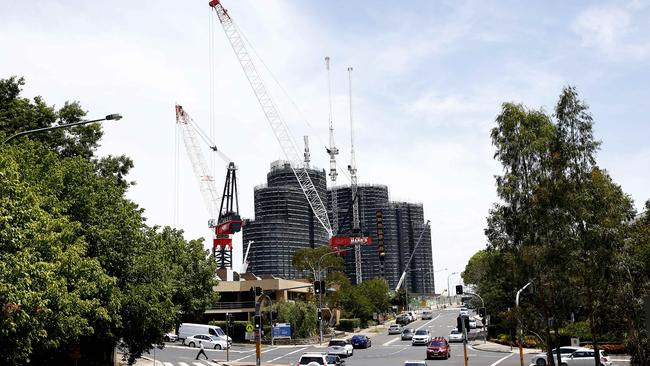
(449, 293)
(113, 116)
(320, 294)
(521, 331)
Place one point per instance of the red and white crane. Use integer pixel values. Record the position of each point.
(282, 134)
(228, 221)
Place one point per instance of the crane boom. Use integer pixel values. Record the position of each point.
(406, 268)
(199, 166)
(272, 114)
(332, 151)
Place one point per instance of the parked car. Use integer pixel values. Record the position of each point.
(415, 363)
(340, 347)
(188, 329)
(315, 358)
(170, 337)
(585, 357)
(421, 336)
(455, 336)
(472, 323)
(407, 334)
(540, 359)
(438, 347)
(335, 360)
(395, 329)
(360, 341)
(209, 341)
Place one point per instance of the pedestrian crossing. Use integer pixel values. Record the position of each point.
(194, 363)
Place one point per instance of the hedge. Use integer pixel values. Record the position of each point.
(349, 324)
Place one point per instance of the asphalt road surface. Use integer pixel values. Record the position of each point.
(386, 350)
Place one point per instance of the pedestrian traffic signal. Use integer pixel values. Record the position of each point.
(481, 312)
(230, 320)
(258, 291)
(459, 289)
(317, 287)
(320, 315)
(258, 322)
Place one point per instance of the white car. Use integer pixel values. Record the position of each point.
(540, 359)
(472, 324)
(455, 336)
(395, 329)
(208, 341)
(170, 337)
(421, 336)
(415, 363)
(340, 347)
(585, 357)
(313, 358)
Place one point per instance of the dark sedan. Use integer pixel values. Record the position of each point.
(360, 341)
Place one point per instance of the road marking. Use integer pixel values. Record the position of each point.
(198, 363)
(168, 364)
(207, 350)
(183, 364)
(501, 359)
(391, 341)
(270, 349)
(290, 353)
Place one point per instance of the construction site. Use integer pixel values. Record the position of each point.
(295, 208)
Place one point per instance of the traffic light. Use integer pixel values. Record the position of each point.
(481, 312)
(466, 319)
(258, 291)
(459, 324)
(258, 322)
(459, 289)
(319, 317)
(317, 287)
(323, 287)
(230, 320)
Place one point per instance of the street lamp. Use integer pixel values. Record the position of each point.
(521, 331)
(320, 293)
(449, 293)
(113, 116)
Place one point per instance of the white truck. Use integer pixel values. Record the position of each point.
(190, 329)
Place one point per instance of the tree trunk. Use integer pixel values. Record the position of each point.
(592, 326)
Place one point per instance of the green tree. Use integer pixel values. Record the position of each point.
(377, 292)
(301, 316)
(312, 260)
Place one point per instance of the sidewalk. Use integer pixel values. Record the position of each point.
(496, 347)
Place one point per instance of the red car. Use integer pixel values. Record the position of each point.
(438, 347)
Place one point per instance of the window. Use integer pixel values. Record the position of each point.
(305, 360)
(437, 343)
(337, 343)
(220, 332)
(421, 332)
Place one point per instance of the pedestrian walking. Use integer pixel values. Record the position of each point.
(201, 351)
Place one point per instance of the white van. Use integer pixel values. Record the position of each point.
(427, 314)
(190, 329)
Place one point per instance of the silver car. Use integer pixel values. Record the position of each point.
(208, 341)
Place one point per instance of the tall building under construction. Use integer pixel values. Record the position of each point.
(285, 223)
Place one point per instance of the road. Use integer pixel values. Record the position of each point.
(386, 350)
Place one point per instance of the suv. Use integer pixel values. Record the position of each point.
(421, 336)
(395, 329)
(313, 358)
(438, 347)
(340, 347)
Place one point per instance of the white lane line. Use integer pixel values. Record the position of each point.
(501, 359)
(391, 341)
(290, 353)
(183, 364)
(198, 364)
(270, 349)
(168, 364)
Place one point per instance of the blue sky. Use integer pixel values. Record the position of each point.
(428, 80)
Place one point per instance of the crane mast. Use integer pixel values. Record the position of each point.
(272, 114)
(228, 220)
(352, 168)
(332, 151)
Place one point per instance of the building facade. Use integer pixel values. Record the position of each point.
(284, 222)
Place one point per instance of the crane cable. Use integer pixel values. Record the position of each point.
(284, 91)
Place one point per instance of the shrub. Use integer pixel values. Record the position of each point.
(349, 324)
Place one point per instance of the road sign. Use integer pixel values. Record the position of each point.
(282, 330)
(249, 327)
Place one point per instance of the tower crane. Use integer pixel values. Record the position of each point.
(332, 151)
(279, 127)
(228, 221)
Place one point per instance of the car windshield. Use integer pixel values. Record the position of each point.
(220, 332)
(214, 338)
(413, 364)
(436, 344)
(357, 338)
(454, 332)
(337, 343)
(408, 330)
(420, 332)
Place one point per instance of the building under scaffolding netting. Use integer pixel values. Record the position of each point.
(284, 222)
